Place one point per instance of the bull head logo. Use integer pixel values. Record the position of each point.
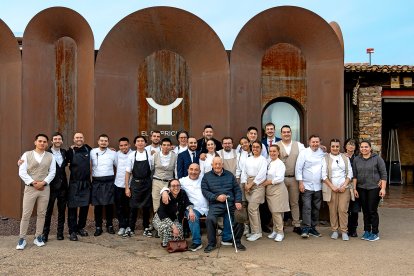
(164, 112)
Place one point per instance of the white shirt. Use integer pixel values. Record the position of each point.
(179, 149)
(27, 179)
(206, 165)
(193, 190)
(227, 154)
(241, 159)
(309, 168)
(150, 148)
(288, 147)
(338, 170)
(276, 171)
(58, 156)
(141, 156)
(103, 162)
(121, 163)
(254, 166)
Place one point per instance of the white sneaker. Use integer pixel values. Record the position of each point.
(334, 235)
(272, 236)
(254, 237)
(345, 237)
(121, 231)
(226, 242)
(39, 241)
(21, 244)
(279, 237)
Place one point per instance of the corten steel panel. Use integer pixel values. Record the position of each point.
(65, 107)
(283, 74)
(58, 65)
(10, 123)
(324, 57)
(138, 36)
(163, 71)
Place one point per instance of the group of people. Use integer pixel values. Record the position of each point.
(242, 190)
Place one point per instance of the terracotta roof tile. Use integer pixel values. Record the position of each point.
(365, 67)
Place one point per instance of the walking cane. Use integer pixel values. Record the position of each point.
(231, 224)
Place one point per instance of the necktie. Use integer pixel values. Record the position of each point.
(193, 156)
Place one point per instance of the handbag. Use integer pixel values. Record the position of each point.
(177, 246)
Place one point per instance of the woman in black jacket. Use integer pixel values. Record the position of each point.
(167, 220)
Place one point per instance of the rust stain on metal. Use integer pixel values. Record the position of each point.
(283, 74)
(66, 86)
(163, 76)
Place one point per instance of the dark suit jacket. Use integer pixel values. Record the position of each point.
(60, 181)
(265, 142)
(184, 161)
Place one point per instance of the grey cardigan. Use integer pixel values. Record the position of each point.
(368, 172)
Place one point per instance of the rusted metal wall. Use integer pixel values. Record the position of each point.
(283, 74)
(163, 76)
(132, 42)
(58, 69)
(323, 53)
(10, 123)
(66, 88)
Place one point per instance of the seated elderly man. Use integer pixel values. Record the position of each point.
(191, 184)
(217, 186)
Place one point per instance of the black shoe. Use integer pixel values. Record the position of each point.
(305, 233)
(45, 238)
(314, 232)
(194, 247)
(240, 247)
(353, 234)
(98, 231)
(73, 237)
(266, 229)
(83, 233)
(110, 230)
(60, 236)
(209, 248)
(297, 230)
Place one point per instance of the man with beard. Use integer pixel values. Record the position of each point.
(191, 155)
(103, 178)
(79, 186)
(58, 188)
(155, 142)
(208, 134)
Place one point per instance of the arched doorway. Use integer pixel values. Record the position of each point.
(284, 111)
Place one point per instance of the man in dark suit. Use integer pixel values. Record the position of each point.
(186, 158)
(270, 138)
(58, 188)
(202, 142)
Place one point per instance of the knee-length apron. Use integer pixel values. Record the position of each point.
(79, 192)
(141, 185)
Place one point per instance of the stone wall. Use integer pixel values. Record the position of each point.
(368, 120)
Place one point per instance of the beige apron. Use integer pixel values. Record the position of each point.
(230, 164)
(256, 193)
(277, 197)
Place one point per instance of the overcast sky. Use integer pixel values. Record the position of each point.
(386, 26)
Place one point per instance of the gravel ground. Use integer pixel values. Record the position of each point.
(110, 254)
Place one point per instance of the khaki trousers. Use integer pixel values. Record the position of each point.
(32, 196)
(277, 218)
(157, 186)
(338, 209)
(293, 189)
(255, 197)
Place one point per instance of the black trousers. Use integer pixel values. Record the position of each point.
(61, 197)
(369, 200)
(354, 208)
(74, 224)
(109, 213)
(122, 207)
(265, 215)
(133, 215)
